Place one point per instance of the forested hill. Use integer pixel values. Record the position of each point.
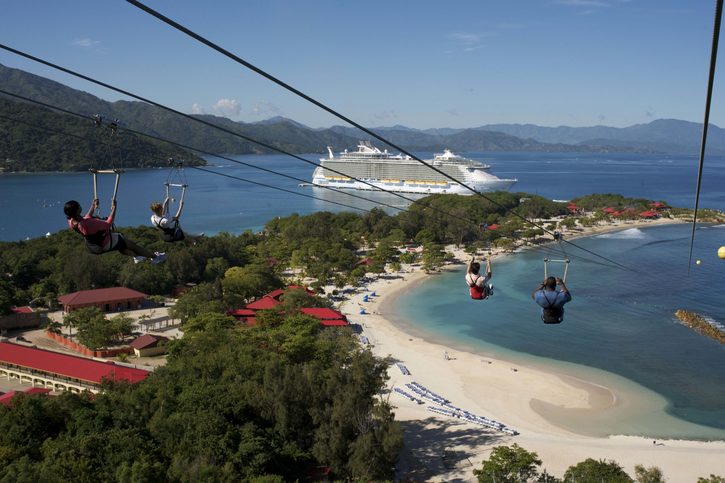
(143, 117)
(278, 132)
(32, 139)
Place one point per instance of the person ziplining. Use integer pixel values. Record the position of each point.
(100, 236)
(478, 286)
(552, 300)
(169, 225)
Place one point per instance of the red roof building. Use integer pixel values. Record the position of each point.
(327, 317)
(649, 214)
(7, 398)
(265, 303)
(38, 363)
(22, 310)
(609, 210)
(149, 345)
(106, 299)
(658, 205)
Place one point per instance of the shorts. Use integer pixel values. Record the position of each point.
(118, 243)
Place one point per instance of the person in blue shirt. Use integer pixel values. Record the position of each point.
(552, 300)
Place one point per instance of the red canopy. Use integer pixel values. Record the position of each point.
(493, 227)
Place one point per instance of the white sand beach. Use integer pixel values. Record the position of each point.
(544, 405)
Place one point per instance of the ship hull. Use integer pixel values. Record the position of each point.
(419, 187)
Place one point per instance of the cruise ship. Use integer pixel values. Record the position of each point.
(404, 174)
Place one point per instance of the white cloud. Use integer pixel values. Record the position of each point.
(86, 42)
(197, 109)
(228, 107)
(265, 109)
(466, 37)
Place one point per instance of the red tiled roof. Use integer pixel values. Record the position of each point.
(7, 398)
(146, 341)
(100, 295)
(276, 294)
(334, 323)
(22, 310)
(609, 209)
(657, 204)
(323, 313)
(66, 365)
(263, 303)
(648, 214)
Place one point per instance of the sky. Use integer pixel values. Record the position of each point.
(421, 64)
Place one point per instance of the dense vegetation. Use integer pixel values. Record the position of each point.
(23, 147)
(514, 464)
(280, 401)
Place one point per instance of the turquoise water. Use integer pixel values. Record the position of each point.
(618, 321)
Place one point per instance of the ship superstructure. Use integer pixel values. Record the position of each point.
(404, 174)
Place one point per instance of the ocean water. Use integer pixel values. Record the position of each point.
(619, 321)
(31, 204)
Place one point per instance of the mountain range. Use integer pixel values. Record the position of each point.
(662, 135)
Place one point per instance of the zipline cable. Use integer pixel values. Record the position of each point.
(56, 131)
(335, 113)
(220, 128)
(708, 101)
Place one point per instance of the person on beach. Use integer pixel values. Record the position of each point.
(99, 235)
(552, 300)
(169, 227)
(478, 286)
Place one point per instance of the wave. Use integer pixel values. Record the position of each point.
(629, 234)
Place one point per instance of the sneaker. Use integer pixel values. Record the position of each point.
(158, 258)
(139, 259)
(490, 289)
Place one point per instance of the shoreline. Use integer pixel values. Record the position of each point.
(550, 406)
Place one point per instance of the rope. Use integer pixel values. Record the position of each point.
(708, 101)
(324, 107)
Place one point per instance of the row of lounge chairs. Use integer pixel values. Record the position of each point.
(448, 409)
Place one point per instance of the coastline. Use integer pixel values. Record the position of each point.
(554, 410)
